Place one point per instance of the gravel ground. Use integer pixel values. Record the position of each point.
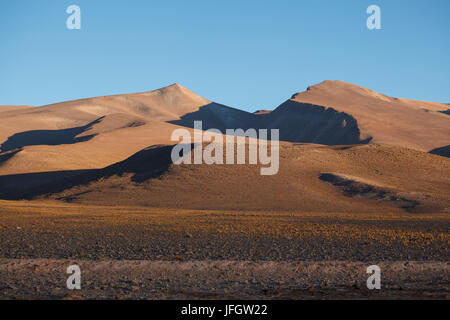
(112, 279)
(161, 253)
(187, 247)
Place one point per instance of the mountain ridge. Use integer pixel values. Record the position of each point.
(57, 136)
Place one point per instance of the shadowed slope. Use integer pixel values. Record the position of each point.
(220, 117)
(57, 138)
(48, 137)
(118, 111)
(352, 187)
(338, 113)
(303, 122)
(413, 124)
(444, 151)
(5, 156)
(297, 185)
(148, 163)
(381, 179)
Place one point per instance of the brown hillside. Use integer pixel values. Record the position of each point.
(382, 119)
(311, 178)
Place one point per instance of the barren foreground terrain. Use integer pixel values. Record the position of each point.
(362, 179)
(137, 252)
(223, 279)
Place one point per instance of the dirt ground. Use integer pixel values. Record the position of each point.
(224, 279)
(149, 253)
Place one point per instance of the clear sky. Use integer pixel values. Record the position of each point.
(246, 54)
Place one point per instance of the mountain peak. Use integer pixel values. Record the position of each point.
(339, 86)
(175, 85)
(178, 90)
(384, 119)
(339, 89)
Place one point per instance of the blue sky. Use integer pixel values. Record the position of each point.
(246, 54)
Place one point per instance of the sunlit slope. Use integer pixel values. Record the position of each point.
(310, 178)
(90, 133)
(382, 119)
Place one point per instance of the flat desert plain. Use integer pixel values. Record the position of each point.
(363, 179)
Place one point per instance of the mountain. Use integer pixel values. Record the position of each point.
(345, 148)
(379, 118)
(311, 178)
(95, 132)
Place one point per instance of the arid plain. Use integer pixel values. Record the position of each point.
(363, 179)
